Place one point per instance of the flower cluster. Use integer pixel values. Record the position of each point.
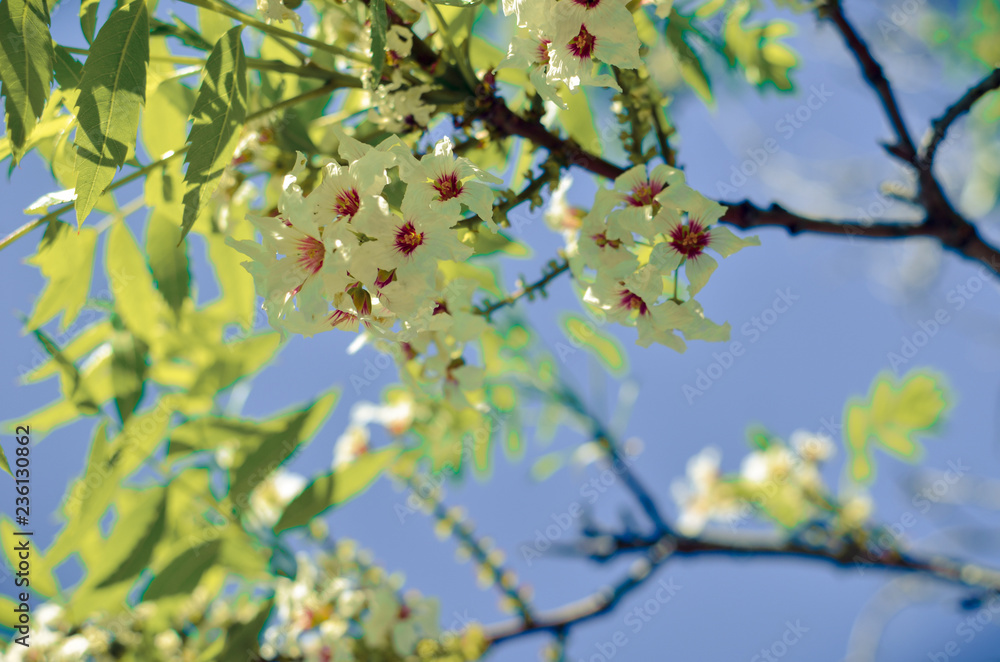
(338, 608)
(630, 249)
(779, 481)
(568, 40)
(344, 257)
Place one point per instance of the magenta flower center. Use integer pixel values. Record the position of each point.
(642, 195)
(310, 254)
(407, 239)
(690, 240)
(448, 187)
(589, 4)
(542, 54)
(632, 301)
(582, 45)
(347, 204)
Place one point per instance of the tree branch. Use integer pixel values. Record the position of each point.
(941, 125)
(490, 307)
(660, 549)
(872, 71)
(960, 237)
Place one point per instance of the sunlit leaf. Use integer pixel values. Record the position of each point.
(218, 116)
(112, 93)
(25, 67)
(135, 298)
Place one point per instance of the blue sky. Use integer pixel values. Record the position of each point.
(854, 303)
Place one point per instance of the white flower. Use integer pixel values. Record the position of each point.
(351, 445)
(589, 33)
(774, 464)
(275, 11)
(531, 53)
(703, 496)
(812, 447)
(687, 242)
(439, 179)
(399, 110)
(269, 498)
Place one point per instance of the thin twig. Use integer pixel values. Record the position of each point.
(941, 125)
(467, 539)
(491, 307)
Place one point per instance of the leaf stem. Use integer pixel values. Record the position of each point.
(246, 19)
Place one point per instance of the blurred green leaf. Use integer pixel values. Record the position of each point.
(891, 417)
(68, 264)
(604, 346)
(4, 464)
(136, 300)
(128, 371)
(335, 488)
(688, 62)
(757, 48)
(168, 259)
(88, 18)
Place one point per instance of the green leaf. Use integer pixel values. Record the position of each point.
(757, 49)
(73, 387)
(257, 464)
(135, 536)
(380, 28)
(243, 638)
(604, 346)
(263, 445)
(547, 465)
(183, 573)
(218, 116)
(128, 372)
(335, 488)
(168, 259)
(25, 67)
(164, 122)
(136, 300)
(891, 417)
(688, 62)
(88, 18)
(69, 75)
(233, 361)
(68, 264)
(112, 93)
(578, 120)
(74, 350)
(4, 464)
(43, 581)
(213, 24)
